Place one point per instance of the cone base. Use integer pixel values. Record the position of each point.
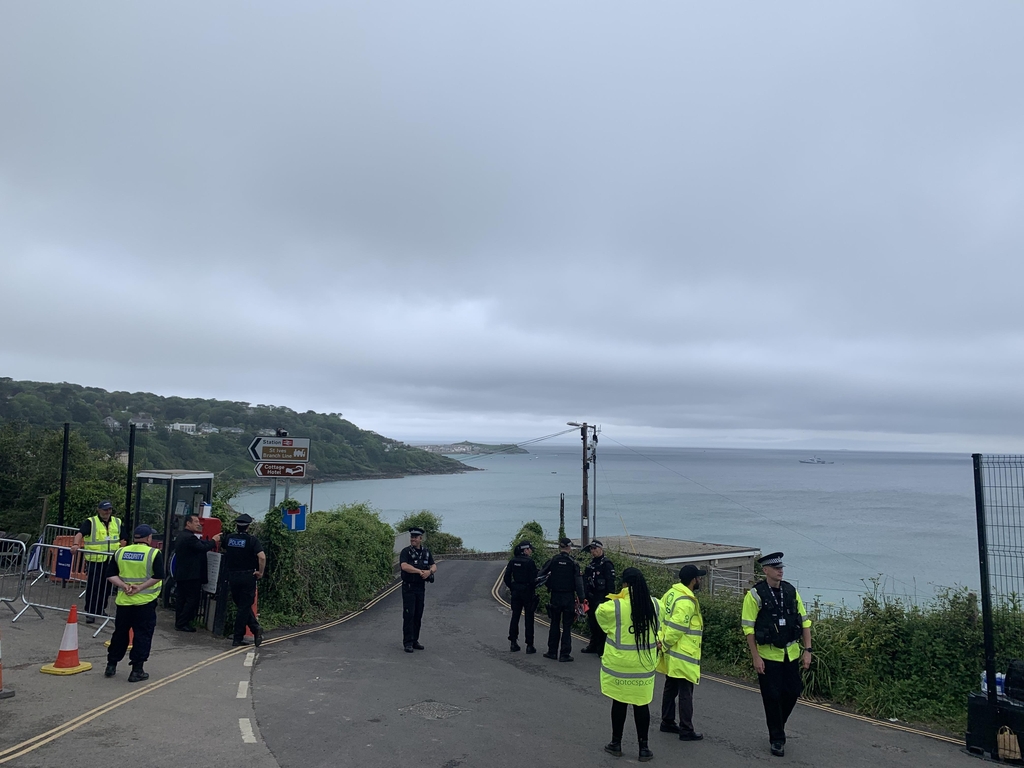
(107, 645)
(50, 669)
(6, 694)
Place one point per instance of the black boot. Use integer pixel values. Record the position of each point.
(530, 649)
(614, 748)
(138, 674)
(645, 753)
(513, 646)
(110, 671)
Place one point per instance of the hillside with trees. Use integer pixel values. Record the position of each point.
(222, 431)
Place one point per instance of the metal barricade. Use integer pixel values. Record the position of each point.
(60, 577)
(51, 532)
(13, 558)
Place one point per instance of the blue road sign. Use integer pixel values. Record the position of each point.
(295, 519)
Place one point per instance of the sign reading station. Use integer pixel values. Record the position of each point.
(290, 449)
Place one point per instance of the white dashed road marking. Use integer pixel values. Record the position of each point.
(243, 689)
(249, 657)
(247, 733)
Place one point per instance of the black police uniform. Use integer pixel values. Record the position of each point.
(565, 583)
(240, 563)
(414, 589)
(521, 578)
(598, 580)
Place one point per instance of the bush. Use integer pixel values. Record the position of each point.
(441, 543)
(425, 519)
(342, 558)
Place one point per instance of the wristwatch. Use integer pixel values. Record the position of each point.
(809, 650)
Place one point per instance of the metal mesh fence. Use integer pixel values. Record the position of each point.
(999, 495)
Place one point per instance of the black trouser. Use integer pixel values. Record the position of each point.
(780, 688)
(141, 620)
(97, 588)
(597, 635)
(412, 612)
(243, 594)
(683, 688)
(522, 602)
(186, 602)
(562, 615)
(641, 718)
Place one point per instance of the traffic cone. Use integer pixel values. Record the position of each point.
(4, 693)
(67, 662)
(131, 639)
(255, 611)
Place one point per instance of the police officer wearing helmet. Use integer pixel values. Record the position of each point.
(521, 578)
(245, 562)
(138, 571)
(598, 581)
(565, 582)
(778, 634)
(418, 568)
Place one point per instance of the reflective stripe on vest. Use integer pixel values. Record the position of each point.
(681, 656)
(617, 642)
(628, 675)
(135, 566)
(684, 630)
(97, 543)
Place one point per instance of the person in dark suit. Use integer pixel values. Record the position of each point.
(190, 571)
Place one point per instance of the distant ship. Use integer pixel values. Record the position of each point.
(815, 460)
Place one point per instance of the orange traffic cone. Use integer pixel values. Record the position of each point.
(67, 662)
(4, 694)
(255, 611)
(131, 639)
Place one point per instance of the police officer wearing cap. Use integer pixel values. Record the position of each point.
(521, 579)
(778, 633)
(244, 562)
(682, 630)
(138, 571)
(565, 582)
(417, 565)
(100, 536)
(598, 581)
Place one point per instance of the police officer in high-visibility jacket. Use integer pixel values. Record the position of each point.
(630, 619)
(778, 634)
(682, 628)
(138, 571)
(99, 536)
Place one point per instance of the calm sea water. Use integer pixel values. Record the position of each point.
(905, 518)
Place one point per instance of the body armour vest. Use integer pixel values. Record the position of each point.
(776, 624)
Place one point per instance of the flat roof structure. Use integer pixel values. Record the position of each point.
(677, 551)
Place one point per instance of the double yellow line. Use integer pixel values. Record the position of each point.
(34, 743)
(496, 594)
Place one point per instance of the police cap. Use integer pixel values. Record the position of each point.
(243, 520)
(565, 542)
(415, 532)
(774, 560)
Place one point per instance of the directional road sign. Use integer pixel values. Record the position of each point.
(295, 519)
(293, 449)
(272, 469)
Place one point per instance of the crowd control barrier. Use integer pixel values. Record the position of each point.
(58, 578)
(12, 571)
(51, 532)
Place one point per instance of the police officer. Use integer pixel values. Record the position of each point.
(138, 571)
(418, 567)
(245, 562)
(565, 582)
(100, 536)
(778, 634)
(520, 578)
(598, 581)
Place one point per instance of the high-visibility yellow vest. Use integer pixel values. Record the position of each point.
(682, 628)
(103, 537)
(626, 675)
(135, 566)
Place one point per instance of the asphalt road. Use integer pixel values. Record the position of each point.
(350, 696)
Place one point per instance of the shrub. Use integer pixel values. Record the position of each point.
(425, 519)
(342, 558)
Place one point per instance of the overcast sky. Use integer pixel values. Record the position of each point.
(788, 224)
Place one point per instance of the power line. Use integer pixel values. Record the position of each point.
(509, 448)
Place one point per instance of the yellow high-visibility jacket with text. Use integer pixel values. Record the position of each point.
(626, 674)
(682, 628)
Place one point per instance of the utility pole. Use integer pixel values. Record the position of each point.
(585, 430)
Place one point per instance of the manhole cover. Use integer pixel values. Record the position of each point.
(433, 710)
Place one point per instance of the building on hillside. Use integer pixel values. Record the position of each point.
(112, 424)
(730, 567)
(121, 456)
(188, 429)
(232, 430)
(143, 423)
(266, 432)
(206, 428)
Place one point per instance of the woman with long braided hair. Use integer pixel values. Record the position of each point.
(630, 620)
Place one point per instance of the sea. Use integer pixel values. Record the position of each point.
(902, 524)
